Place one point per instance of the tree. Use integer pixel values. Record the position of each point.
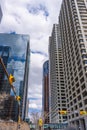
(34, 118)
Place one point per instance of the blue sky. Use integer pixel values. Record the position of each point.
(36, 18)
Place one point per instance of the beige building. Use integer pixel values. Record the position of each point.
(73, 29)
(57, 100)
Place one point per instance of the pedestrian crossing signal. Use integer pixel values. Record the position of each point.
(40, 122)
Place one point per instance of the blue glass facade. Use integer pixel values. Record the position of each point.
(46, 68)
(17, 62)
(4, 53)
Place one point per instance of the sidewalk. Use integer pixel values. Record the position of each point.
(13, 126)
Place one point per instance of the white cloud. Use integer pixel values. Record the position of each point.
(16, 17)
(35, 104)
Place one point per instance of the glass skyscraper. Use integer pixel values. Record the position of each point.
(17, 62)
(45, 91)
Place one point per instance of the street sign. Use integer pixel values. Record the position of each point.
(55, 126)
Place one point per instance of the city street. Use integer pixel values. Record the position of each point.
(43, 64)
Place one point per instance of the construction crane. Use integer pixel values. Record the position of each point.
(11, 79)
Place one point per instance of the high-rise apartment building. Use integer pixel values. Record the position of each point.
(17, 64)
(45, 91)
(73, 30)
(56, 77)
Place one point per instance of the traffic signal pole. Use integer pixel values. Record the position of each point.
(11, 80)
(1, 61)
(13, 88)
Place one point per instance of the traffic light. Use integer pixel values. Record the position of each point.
(11, 79)
(63, 112)
(18, 98)
(83, 113)
(40, 122)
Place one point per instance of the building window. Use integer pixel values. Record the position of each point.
(79, 97)
(84, 56)
(85, 61)
(76, 107)
(82, 80)
(74, 100)
(85, 101)
(80, 104)
(83, 50)
(78, 91)
(84, 93)
(5, 53)
(82, 45)
(76, 79)
(81, 73)
(83, 86)
(0, 53)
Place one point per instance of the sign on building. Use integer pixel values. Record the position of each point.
(55, 126)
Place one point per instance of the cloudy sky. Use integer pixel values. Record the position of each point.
(36, 18)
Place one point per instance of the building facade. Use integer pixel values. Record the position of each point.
(17, 64)
(56, 77)
(73, 30)
(5, 54)
(45, 91)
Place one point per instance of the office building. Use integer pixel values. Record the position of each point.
(45, 92)
(5, 54)
(17, 63)
(73, 30)
(56, 77)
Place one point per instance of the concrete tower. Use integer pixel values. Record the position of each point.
(56, 77)
(73, 29)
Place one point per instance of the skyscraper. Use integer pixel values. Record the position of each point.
(5, 54)
(20, 56)
(73, 30)
(21, 91)
(56, 77)
(45, 91)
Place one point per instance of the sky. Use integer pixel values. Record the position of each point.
(35, 18)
